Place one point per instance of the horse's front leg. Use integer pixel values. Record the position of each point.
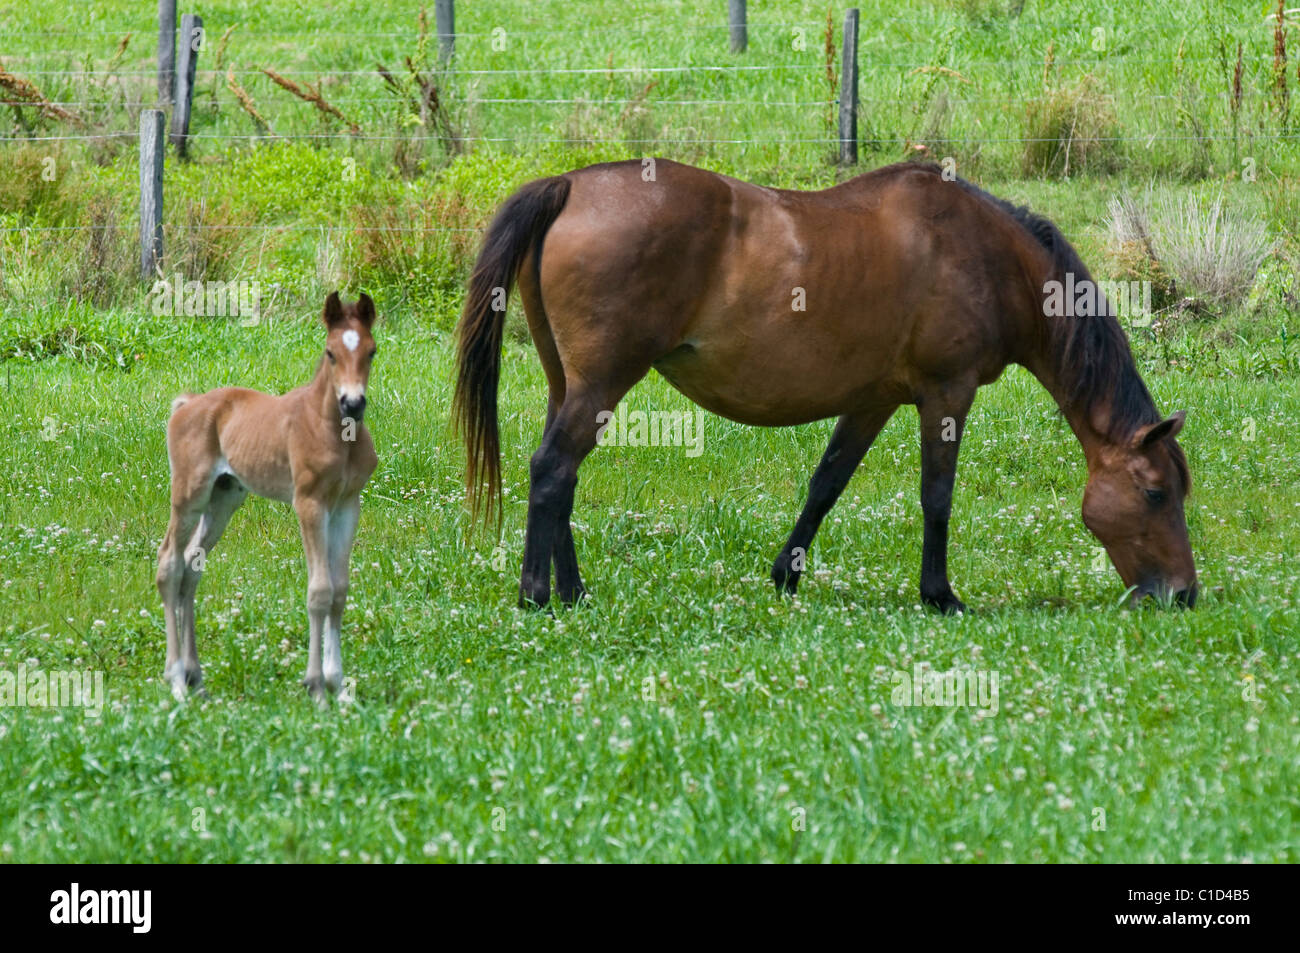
(853, 436)
(342, 533)
(943, 416)
(314, 520)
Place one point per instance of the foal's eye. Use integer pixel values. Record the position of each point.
(373, 352)
(1155, 497)
(330, 355)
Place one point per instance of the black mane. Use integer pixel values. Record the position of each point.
(1093, 359)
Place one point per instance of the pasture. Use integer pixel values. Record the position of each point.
(685, 712)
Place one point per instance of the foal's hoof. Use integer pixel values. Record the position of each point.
(945, 602)
(184, 682)
(317, 689)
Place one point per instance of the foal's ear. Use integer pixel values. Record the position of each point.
(333, 313)
(365, 310)
(1169, 427)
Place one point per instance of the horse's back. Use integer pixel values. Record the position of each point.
(773, 306)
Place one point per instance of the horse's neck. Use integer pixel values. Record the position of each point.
(321, 399)
(1086, 429)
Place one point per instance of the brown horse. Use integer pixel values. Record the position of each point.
(916, 289)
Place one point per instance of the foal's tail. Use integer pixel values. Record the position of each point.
(518, 229)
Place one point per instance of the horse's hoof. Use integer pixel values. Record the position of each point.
(784, 578)
(184, 682)
(533, 600)
(316, 689)
(945, 602)
(574, 597)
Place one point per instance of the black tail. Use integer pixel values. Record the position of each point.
(518, 229)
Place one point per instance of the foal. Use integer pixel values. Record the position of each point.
(307, 447)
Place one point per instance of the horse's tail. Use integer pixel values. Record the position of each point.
(517, 230)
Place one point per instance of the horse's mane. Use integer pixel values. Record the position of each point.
(1093, 359)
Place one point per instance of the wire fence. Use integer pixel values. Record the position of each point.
(667, 140)
(1034, 62)
(1024, 22)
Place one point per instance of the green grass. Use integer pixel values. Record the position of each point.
(686, 712)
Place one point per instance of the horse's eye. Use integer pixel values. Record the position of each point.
(1155, 497)
(373, 352)
(330, 355)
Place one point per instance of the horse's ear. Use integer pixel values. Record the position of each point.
(365, 310)
(1169, 427)
(333, 313)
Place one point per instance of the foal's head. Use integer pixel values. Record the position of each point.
(349, 349)
(1134, 506)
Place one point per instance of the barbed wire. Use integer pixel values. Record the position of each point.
(394, 100)
(1018, 22)
(646, 101)
(592, 141)
(1035, 61)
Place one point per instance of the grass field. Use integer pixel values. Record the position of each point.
(685, 711)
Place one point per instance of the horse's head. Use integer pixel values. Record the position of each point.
(1134, 506)
(349, 350)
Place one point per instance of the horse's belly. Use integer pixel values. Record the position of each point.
(260, 480)
(770, 386)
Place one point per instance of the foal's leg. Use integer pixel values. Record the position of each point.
(171, 571)
(568, 579)
(943, 415)
(227, 496)
(342, 531)
(314, 519)
(849, 443)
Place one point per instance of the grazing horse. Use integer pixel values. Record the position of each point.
(307, 447)
(915, 289)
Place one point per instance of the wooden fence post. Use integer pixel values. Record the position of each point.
(444, 18)
(739, 27)
(152, 148)
(166, 50)
(849, 91)
(191, 40)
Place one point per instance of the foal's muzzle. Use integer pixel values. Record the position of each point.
(352, 407)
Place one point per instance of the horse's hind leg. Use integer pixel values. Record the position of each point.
(227, 496)
(171, 571)
(568, 579)
(849, 443)
(553, 476)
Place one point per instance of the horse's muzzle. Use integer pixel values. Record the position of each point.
(1184, 598)
(352, 407)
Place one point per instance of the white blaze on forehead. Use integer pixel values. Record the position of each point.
(351, 339)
